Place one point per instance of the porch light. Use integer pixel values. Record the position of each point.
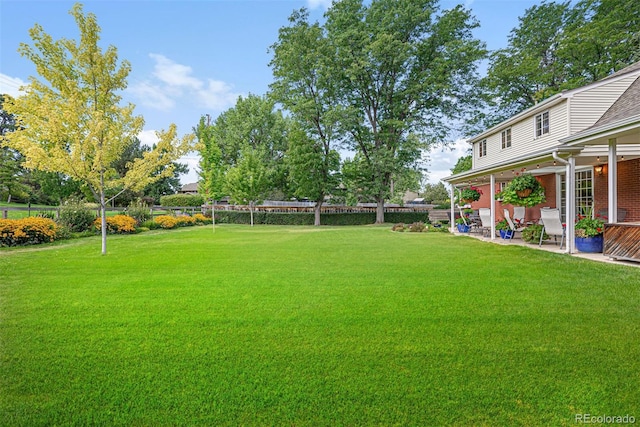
(598, 170)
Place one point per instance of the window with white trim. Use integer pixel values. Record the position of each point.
(506, 138)
(482, 148)
(542, 124)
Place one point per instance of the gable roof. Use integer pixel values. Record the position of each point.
(559, 97)
(628, 105)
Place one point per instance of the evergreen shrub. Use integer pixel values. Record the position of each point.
(182, 200)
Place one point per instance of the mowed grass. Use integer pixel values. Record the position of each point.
(313, 327)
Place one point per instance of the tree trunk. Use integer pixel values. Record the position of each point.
(316, 212)
(103, 223)
(380, 211)
(251, 212)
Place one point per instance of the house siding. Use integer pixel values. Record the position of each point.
(588, 106)
(523, 139)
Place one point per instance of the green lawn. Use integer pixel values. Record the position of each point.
(313, 327)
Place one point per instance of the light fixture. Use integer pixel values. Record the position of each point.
(598, 159)
(537, 166)
(554, 163)
(598, 170)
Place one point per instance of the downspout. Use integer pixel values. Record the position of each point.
(570, 185)
(492, 205)
(453, 215)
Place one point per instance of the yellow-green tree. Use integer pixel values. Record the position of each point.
(72, 120)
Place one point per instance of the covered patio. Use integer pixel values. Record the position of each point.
(597, 168)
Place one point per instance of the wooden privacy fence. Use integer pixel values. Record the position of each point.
(154, 210)
(283, 207)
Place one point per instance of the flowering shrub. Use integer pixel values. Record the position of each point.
(76, 215)
(166, 221)
(586, 226)
(201, 219)
(139, 211)
(185, 221)
(117, 224)
(27, 231)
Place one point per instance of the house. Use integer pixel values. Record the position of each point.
(191, 188)
(583, 145)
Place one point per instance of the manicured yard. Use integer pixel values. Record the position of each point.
(304, 326)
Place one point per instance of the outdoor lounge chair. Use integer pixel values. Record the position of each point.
(512, 226)
(518, 215)
(485, 221)
(552, 225)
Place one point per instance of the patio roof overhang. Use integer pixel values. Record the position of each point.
(543, 162)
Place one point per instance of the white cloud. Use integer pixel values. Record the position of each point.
(153, 96)
(217, 95)
(314, 4)
(148, 137)
(171, 84)
(442, 160)
(174, 74)
(11, 85)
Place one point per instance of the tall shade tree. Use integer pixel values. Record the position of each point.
(561, 46)
(529, 69)
(303, 84)
(72, 121)
(253, 123)
(248, 181)
(405, 71)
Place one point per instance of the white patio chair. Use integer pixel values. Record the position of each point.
(485, 220)
(552, 225)
(518, 215)
(512, 226)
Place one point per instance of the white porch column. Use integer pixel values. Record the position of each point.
(492, 205)
(570, 198)
(452, 224)
(612, 177)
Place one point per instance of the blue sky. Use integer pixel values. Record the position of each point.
(195, 57)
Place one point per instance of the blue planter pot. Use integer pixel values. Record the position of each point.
(589, 244)
(463, 228)
(505, 234)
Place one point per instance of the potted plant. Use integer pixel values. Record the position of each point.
(589, 231)
(462, 226)
(504, 230)
(470, 194)
(523, 190)
(531, 234)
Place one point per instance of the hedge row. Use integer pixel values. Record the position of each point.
(307, 218)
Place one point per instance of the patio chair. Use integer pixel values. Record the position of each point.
(485, 221)
(518, 215)
(552, 225)
(512, 226)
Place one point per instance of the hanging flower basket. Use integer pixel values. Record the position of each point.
(470, 194)
(524, 193)
(523, 190)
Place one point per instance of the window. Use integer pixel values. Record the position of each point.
(506, 138)
(542, 124)
(482, 148)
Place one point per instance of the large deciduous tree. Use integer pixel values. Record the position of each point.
(560, 46)
(304, 85)
(404, 72)
(255, 124)
(72, 121)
